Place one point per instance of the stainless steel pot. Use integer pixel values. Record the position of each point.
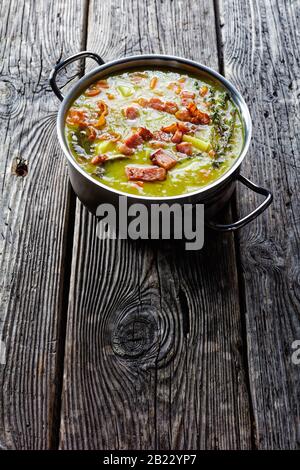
(214, 196)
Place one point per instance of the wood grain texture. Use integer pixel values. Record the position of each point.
(34, 215)
(261, 55)
(154, 353)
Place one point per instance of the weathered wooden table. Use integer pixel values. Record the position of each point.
(115, 344)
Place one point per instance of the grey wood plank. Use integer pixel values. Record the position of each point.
(261, 56)
(154, 352)
(34, 216)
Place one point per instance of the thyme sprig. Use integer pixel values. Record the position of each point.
(223, 126)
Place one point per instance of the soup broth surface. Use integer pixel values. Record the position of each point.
(154, 132)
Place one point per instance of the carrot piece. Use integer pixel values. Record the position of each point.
(143, 102)
(101, 121)
(203, 90)
(93, 90)
(102, 84)
(103, 107)
(153, 82)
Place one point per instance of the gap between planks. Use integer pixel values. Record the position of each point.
(69, 241)
(234, 214)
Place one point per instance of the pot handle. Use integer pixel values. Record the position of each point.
(64, 63)
(245, 220)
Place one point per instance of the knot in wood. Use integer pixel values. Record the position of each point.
(8, 97)
(135, 335)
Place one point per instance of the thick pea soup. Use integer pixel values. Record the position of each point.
(154, 132)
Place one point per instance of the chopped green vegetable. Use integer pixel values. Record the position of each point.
(125, 91)
(104, 146)
(198, 143)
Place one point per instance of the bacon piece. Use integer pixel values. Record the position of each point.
(192, 114)
(91, 133)
(145, 133)
(171, 107)
(184, 128)
(160, 135)
(183, 115)
(186, 97)
(76, 117)
(177, 137)
(171, 129)
(185, 147)
(157, 145)
(156, 103)
(131, 112)
(99, 159)
(201, 117)
(146, 173)
(124, 149)
(133, 141)
(163, 159)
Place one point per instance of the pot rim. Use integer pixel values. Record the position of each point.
(234, 94)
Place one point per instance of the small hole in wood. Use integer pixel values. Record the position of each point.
(19, 167)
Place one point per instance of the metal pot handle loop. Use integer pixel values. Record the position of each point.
(64, 63)
(245, 220)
